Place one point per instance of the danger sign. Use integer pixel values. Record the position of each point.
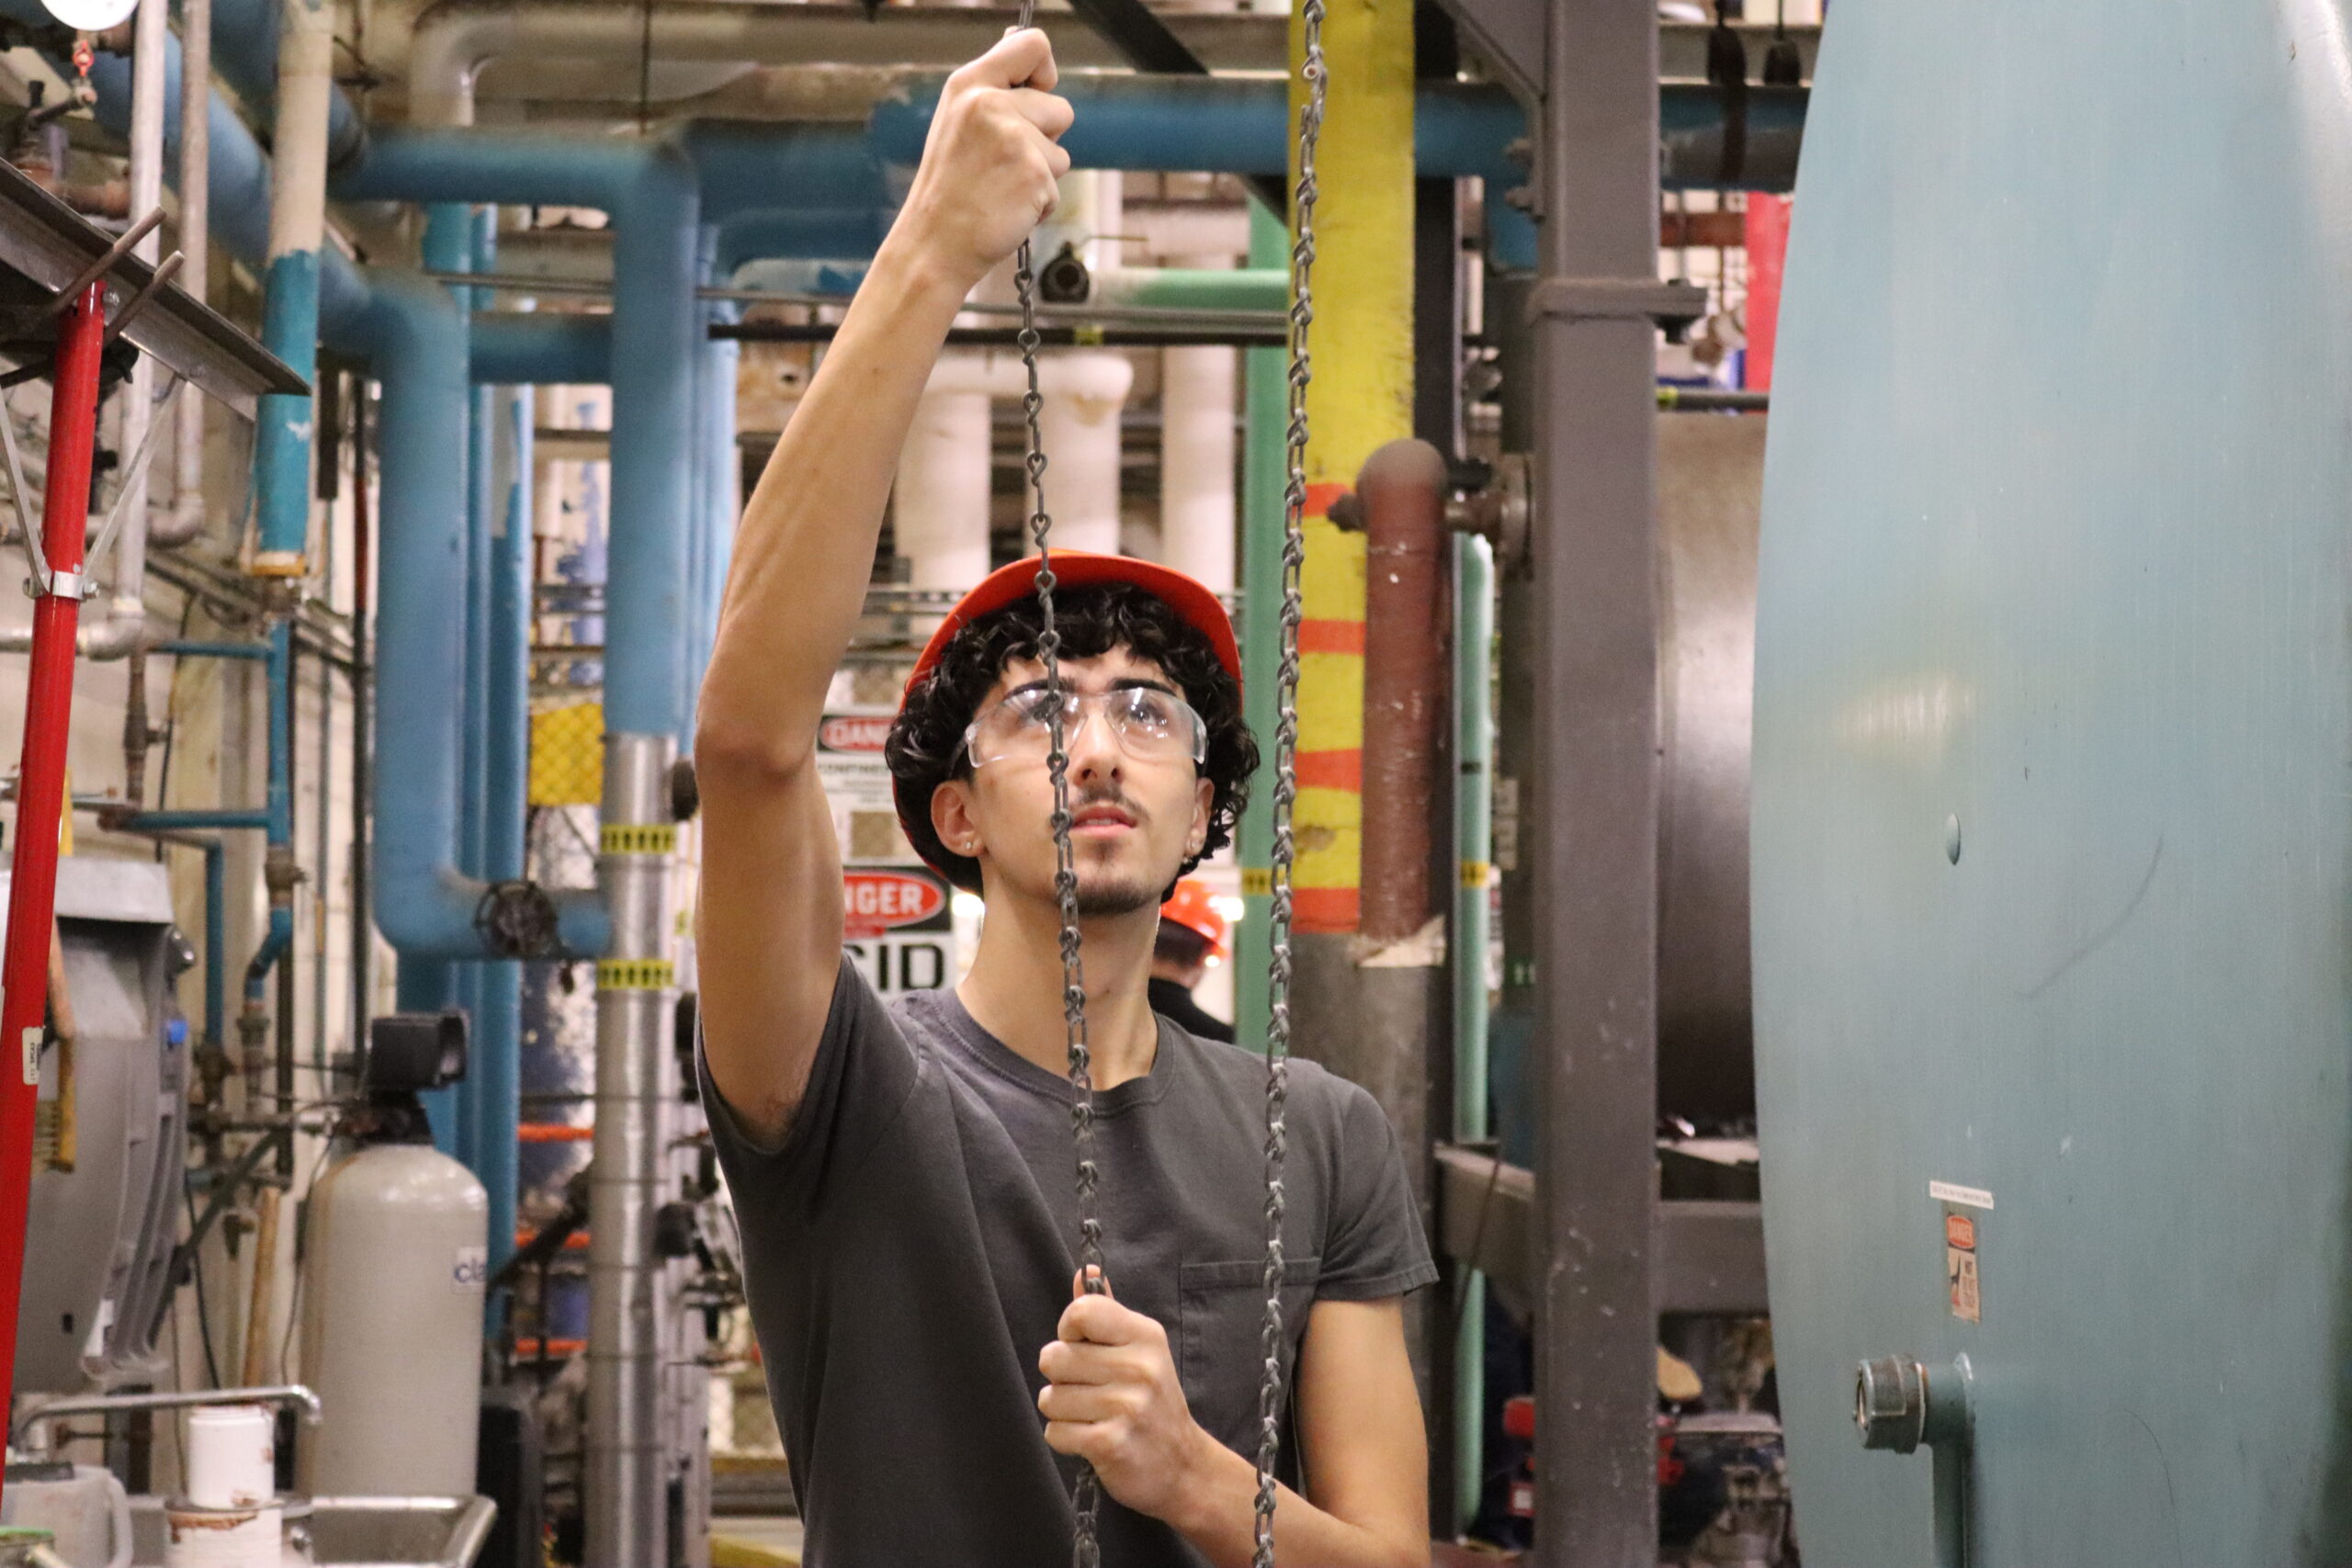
(854, 732)
(875, 902)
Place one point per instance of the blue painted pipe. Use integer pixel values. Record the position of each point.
(411, 334)
(244, 50)
(825, 234)
(452, 244)
(282, 424)
(498, 1071)
(515, 349)
(197, 819)
(800, 168)
(651, 191)
(273, 947)
(1242, 126)
(216, 942)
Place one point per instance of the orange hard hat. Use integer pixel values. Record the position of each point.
(1190, 907)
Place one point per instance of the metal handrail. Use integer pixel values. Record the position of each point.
(40, 1415)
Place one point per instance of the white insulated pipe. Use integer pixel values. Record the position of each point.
(940, 507)
(1196, 455)
(1085, 391)
(115, 632)
(185, 520)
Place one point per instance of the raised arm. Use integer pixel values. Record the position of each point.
(770, 922)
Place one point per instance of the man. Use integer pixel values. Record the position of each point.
(1191, 934)
(904, 1176)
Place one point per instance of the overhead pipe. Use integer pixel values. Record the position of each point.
(410, 334)
(1240, 126)
(247, 39)
(517, 348)
(452, 42)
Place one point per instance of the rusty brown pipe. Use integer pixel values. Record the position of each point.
(1407, 676)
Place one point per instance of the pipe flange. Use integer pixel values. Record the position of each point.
(516, 919)
(1890, 1403)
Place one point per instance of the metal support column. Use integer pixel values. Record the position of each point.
(1593, 822)
(627, 1459)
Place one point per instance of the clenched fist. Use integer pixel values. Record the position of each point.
(1111, 1398)
(991, 161)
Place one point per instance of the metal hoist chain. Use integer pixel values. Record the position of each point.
(1087, 1548)
(1086, 1552)
(1278, 979)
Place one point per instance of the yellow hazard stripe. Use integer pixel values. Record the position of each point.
(638, 839)
(635, 974)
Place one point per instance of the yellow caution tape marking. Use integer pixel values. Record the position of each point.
(635, 974)
(638, 839)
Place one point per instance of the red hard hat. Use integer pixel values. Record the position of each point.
(1190, 907)
(1193, 604)
(1192, 601)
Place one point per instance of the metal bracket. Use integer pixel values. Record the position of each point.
(1508, 34)
(26, 523)
(74, 585)
(1616, 299)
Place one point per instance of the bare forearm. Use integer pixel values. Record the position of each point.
(1218, 1514)
(804, 551)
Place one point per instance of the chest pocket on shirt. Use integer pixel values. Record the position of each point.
(1221, 1310)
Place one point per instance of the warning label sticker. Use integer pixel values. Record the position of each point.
(1961, 1279)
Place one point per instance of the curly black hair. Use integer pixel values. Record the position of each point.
(926, 744)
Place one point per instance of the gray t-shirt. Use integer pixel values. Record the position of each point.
(909, 1248)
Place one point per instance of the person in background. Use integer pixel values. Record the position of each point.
(1192, 933)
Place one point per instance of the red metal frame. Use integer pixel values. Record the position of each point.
(40, 783)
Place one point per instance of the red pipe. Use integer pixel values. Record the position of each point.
(1767, 246)
(41, 787)
(1408, 676)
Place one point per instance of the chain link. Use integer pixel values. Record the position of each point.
(1086, 1550)
(1086, 1498)
(1302, 314)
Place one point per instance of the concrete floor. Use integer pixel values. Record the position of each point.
(754, 1542)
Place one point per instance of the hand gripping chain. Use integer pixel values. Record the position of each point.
(1086, 1549)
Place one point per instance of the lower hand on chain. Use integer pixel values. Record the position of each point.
(1111, 1398)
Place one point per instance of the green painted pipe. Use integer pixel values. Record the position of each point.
(1188, 288)
(1474, 751)
(1264, 453)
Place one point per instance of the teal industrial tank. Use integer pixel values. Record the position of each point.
(2051, 832)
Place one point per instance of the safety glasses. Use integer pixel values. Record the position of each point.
(1147, 724)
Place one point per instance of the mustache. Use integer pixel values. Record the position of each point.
(1110, 795)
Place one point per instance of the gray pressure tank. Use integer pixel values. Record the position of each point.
(393, 1288)
(2052, 836)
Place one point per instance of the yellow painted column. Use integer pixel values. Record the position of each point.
(1361, 397)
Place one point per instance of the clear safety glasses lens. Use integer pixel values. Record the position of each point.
(1148, 725)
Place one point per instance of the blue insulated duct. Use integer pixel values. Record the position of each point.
(533, 348)
(244, 50)
(498, 1073)
(649, 190)
(410, 334)
(1242, 126)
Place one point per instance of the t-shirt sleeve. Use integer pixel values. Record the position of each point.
(859, 1082)
(1375, 1248)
